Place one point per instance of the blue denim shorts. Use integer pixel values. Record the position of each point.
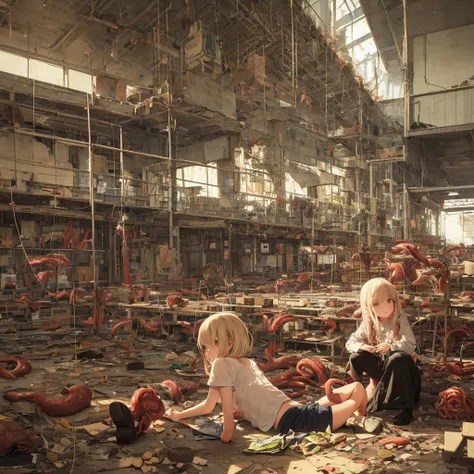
(306, 418)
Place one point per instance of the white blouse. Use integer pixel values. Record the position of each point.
(406, 341)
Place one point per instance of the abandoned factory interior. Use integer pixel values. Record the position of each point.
(236, 236)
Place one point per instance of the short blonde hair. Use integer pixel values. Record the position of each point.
(221, 328)
(374, 292)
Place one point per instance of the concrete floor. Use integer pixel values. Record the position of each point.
(78, 451)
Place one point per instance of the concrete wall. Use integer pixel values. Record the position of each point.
(74, 54)
(449, 59)
(210, 94)
(25, 159)
(208, 151)
(455, 107)
(320, 13)
(393, 108)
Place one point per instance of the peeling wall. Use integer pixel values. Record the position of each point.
(447, 56)
(212, 95)
(25, 159)
(208, 151)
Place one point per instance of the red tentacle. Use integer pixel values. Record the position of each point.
(72, 400)
(328, 387)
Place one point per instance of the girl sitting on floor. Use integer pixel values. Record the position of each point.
(382, 347)
(238, 382)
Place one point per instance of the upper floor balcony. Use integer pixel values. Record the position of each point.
(441, 112)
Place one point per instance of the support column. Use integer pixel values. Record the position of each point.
(406, 214)
(254, 254)
(171, 184)
(371, 189)
(91, 193)
(406, 102)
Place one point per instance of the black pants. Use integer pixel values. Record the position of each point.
(398, 377)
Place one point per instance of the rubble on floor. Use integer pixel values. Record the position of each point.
(85, 442)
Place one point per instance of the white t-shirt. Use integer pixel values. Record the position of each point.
(254, 396)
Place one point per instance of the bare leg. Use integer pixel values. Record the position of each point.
(352, 395)
(371, 388)
(356, 403)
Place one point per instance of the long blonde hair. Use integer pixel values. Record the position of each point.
(376, 291)
(229, 332)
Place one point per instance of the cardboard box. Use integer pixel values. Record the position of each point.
(54, 237)
(265, 302)
(6, 233)
(256, 64)
(167, 256)
(121, 90)
(6, 259)
(30, 229)
(453, 445)
(391, 152)
(7, 279)
(105, 86)
(82, 274)
(245, 300)
(469, 267)
(100, 164)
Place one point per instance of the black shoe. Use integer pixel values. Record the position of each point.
(123, 420)
(369, 424)
(405, 417)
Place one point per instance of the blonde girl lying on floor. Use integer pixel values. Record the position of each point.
(239, 384)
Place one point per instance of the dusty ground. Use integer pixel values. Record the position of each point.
(73, 445)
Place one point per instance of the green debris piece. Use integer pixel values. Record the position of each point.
(268, 444)
(274, 444)
(315, 442)
(178, 365)
(309, 452)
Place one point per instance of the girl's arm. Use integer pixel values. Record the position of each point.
(227, 400)
(407, 341)
(203, 408)
(357, 339)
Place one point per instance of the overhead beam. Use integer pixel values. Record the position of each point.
(52, 211)
(359, 41)
(433, 131)
(349, 18)
(53, 93)
(458, 209)
(436, 189)
(386, 49)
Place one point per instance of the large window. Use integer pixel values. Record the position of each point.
(13, 64)
(356, 42)
(80, 81)
(201, 178)
(292, 187)
(45, 72)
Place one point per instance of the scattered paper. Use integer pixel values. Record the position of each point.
(199, 461)
(171, 356)
(95, 428)
(129, 462)
(66, 442)
(385, 454)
